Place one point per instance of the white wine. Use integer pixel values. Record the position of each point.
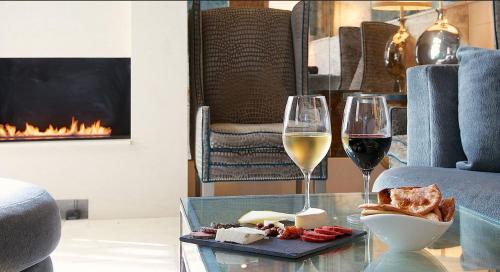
(307, 149)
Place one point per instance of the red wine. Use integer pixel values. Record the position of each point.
(366, 151)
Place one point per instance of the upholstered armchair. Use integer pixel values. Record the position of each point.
(244, 63)
(370, 74)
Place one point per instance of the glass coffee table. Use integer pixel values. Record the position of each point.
(471, 244)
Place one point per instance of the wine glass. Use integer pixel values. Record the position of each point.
(366, 136)
(306, 134)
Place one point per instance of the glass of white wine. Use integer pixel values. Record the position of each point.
(307, 135)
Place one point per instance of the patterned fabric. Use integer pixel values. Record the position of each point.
(248, 64)
(242, 136)
(398, 151)
(350, 54)
(371, 74)
(244, 152)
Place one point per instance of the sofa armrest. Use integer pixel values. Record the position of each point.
(433, 132)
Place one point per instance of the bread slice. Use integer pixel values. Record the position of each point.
(367, 212)
(419, 201)
(447, 207)
(437, 211)
(385, 207)
(384, 196)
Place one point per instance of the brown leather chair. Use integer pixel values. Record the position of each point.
(244, 63)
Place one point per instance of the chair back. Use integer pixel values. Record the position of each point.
(248, 63)
(350, 54)
(371, 74)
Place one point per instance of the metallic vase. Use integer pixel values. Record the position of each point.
(399, 55)
(439, 43)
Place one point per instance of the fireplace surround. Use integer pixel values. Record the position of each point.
(64, 98)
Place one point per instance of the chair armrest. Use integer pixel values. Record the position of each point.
(202, 142)
(433, 132)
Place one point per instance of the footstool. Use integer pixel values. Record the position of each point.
(30, 227)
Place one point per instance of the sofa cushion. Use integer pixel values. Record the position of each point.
(246, 136)
(479, 191)
(479, 108)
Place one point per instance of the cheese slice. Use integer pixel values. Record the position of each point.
(241, 235)
(312, 218)
(277, 224)
(256, 217)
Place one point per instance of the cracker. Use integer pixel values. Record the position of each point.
(384, 196)
(414, 200)
(447, 207)
(437, 211)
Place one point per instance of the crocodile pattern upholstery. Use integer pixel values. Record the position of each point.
(350, 54)
(248, 71)
(231, 136)
(300, 33)
(371, 75)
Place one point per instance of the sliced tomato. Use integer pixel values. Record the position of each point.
(340, 229)
(308, 238)
(319, 235)
(327, 232)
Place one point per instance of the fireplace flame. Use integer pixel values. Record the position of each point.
(9, 132)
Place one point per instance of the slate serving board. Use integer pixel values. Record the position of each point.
(292, 249)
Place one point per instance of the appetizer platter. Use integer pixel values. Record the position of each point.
(275, 234)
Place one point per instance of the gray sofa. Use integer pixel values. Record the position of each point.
(434, 144)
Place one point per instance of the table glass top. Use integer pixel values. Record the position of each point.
(471, 244)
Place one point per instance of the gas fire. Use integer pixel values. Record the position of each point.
(95, 130)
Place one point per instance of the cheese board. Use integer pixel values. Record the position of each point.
(273, 246)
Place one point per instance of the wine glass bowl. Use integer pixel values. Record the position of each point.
(306, 134)
(366, 136)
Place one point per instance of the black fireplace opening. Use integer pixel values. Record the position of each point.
(64, 98)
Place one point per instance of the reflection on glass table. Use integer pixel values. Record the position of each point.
(471, 243)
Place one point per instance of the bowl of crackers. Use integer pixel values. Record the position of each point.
(409, 218)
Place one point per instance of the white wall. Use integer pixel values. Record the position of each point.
(143, 177)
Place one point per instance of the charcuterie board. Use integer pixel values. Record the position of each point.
(292, 249)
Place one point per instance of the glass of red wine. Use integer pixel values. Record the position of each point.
(366, 136)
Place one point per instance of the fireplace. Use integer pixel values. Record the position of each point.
(64, 98)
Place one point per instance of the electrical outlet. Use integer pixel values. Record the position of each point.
(72, 209)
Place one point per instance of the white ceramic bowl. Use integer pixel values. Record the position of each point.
(403, 232)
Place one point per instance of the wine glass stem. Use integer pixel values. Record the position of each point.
(307, 181)
(366, 187)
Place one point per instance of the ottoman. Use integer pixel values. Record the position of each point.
(30, 227)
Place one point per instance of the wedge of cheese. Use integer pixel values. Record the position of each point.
(256, 217)
(312, 218)
(241, 235)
